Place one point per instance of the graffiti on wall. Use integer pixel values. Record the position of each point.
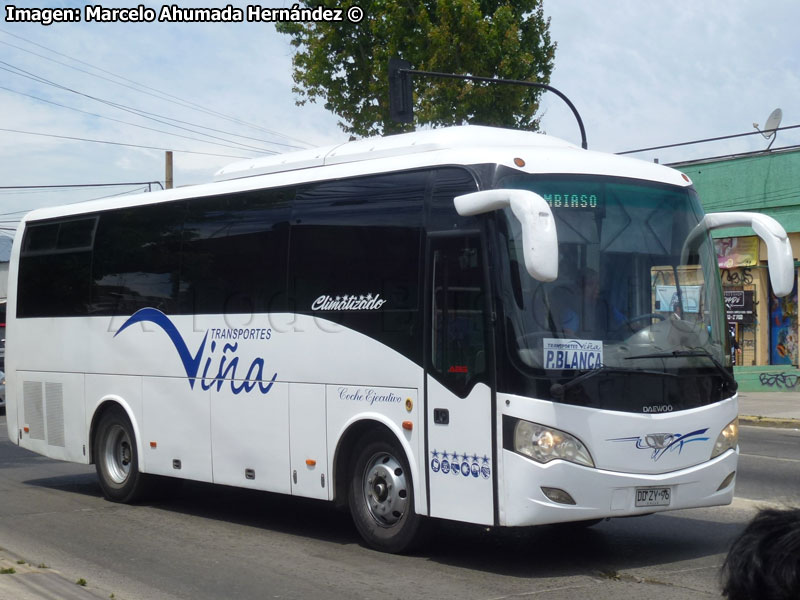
(738, 276)
(779, 381)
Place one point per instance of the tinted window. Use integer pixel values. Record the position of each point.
(54, 284)
(357, 239)
(458, 353)
(137, 259)
(235, 253)
(59, 236)
(55, 268)
(450, 182)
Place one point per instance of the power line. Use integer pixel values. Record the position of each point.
(67, 137)
(238, 146)
(684, 163)
(167, 97)
(714, 139)
(143, 114)
(186, 137)
(75, 185)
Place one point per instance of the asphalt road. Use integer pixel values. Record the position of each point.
(204, 542)
(769, 465)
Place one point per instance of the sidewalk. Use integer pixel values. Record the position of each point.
(773, 409)
(21, 580)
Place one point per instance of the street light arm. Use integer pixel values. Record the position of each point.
(544, 86)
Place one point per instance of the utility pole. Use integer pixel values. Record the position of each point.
(168, 173)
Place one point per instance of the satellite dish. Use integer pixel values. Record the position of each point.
(773, 122)
(770, 129)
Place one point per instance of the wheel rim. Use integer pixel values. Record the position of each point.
(385, 489)
(118, 454)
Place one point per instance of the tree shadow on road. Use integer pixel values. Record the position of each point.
(543, 551)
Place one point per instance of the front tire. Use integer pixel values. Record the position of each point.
(381, 496)
(116, 458)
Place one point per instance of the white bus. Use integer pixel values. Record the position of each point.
(474, 324)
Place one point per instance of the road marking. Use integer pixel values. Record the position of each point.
(789, 460)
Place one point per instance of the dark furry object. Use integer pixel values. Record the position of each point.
(764, 561)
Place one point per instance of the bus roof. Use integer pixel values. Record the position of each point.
(462, 145)
(456, 145)
(392, 146)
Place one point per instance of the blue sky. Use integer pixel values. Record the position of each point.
(640, 73)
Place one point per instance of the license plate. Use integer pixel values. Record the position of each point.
(652, 496)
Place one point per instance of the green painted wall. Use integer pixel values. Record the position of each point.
(767, 183)
(768, 378)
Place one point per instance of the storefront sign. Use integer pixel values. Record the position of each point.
(737, 252)
(739, 307)
(667, 298)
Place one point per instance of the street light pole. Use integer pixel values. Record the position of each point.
(401, 106)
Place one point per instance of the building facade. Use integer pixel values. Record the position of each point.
(765, 328)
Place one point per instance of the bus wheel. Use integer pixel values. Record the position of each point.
(116, 459)
(381, 496)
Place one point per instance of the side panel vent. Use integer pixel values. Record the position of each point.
(32, 399)
(54, 401)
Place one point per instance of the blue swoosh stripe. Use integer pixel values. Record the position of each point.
(191, 364)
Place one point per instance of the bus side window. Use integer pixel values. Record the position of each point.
(234, 253)
(55, 268)
(358, 237)
(137, 259)
(458, 349)
(442, 215)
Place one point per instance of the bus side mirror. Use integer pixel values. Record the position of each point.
(781, 263)
(539, 238)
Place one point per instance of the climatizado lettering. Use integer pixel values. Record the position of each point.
(220, 367)
(368, 302)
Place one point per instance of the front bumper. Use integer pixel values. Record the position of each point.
(600, 494)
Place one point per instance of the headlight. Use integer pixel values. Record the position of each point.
(727, 439)
(544, 444)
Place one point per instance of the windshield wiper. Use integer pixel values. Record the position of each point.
(733, 385)
(559, 389)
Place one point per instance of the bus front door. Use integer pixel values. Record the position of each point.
(460, 452)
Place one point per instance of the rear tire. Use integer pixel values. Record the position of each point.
(381, 496)
(116, 458)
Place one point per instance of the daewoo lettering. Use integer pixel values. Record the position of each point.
(661, 408)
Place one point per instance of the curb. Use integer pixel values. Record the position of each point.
(21, 580)
(769, 422)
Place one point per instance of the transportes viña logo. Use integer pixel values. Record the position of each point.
(219, 361)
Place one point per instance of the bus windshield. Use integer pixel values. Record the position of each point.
(624, 300)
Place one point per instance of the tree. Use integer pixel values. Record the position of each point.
(345, 64)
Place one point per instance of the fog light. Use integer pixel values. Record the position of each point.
(727, 481)
(559, 496)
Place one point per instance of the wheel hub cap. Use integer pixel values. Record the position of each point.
(385, 489)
